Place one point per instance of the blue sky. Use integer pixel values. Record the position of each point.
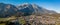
(48, 4)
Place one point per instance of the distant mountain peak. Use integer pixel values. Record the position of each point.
(25, 3)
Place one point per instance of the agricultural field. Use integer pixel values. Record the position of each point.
(21, 20)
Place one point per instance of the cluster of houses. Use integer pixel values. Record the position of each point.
(42, 20)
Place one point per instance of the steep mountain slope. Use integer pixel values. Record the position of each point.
(28, 8)
(7, 10)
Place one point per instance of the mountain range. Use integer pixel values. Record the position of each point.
(24, 9)
(34, 9)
